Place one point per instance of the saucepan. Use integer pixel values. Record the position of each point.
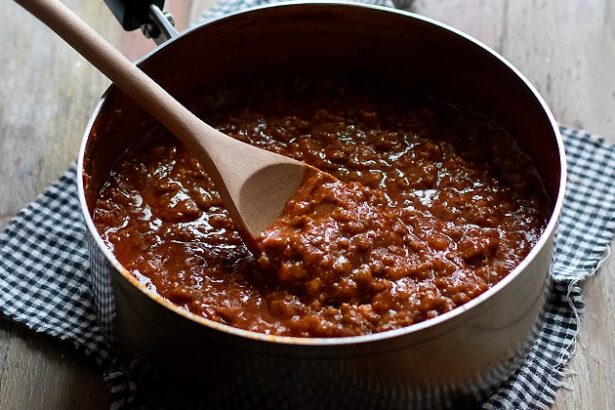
(448, 361)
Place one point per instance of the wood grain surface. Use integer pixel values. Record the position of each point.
(47, 92)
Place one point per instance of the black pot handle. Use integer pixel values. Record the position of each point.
(133, 14)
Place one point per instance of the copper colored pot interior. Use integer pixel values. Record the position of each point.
(470, 349)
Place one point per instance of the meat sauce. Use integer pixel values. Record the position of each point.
(431, 205)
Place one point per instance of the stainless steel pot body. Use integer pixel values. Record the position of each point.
(449, 361)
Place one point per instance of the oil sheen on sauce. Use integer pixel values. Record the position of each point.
(433, 205)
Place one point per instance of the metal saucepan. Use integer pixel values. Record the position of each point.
(447, 361)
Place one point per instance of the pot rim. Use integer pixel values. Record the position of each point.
(335, 341)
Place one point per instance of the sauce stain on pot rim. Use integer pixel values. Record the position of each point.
(340, 341)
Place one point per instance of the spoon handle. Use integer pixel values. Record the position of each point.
(254, 184)
(127, 76)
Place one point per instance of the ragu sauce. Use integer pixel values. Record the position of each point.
(431, 205)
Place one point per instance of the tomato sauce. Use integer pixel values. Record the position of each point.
(431, 205)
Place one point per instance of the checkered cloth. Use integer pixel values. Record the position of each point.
(223, 7)
(44, 271)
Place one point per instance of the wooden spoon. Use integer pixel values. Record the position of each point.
(254, 184)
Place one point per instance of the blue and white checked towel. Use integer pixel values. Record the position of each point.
(44, 270)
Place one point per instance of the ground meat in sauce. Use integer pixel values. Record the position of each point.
(433, 206)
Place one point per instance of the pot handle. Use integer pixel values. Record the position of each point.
(146, 14)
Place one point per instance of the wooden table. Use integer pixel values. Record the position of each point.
(47, 92)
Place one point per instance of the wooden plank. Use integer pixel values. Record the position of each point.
(592, 377)
(566, 48)
(38, 372)
(52, 92)
(48, 93)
